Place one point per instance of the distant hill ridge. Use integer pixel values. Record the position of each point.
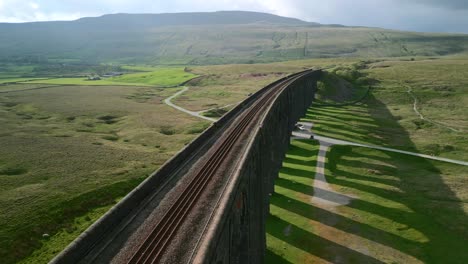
(199, 18)
(208, 38)
(177, 19)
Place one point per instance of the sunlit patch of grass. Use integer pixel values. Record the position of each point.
(53, 243)
(159, 77)
(287, 232)
(405, 203)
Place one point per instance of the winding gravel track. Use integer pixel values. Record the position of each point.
(323, 193)
(192, 113)
(333, 141)
(421, 116)
(342, 142)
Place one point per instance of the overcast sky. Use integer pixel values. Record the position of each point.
(417, 15)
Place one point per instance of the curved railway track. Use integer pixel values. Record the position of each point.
(154, 245)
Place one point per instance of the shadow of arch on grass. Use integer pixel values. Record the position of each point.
(272, 258)
(316, 245)
(402, 203)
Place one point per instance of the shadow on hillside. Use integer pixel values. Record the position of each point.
(378, 126)
(431, 223)
(271, 257)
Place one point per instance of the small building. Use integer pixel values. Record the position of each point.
(112, 74)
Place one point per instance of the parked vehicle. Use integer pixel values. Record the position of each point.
(299, 127)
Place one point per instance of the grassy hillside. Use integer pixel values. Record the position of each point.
(208, 38)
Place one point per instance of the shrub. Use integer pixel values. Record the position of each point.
(334, 155)
(108, 119)
(111, 138)
(217, 112)
(13, 171)
(198, 128)
(167, 130)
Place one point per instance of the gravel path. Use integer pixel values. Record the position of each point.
(323, 193)
(333, 141)
(421, 116)
(192, 113)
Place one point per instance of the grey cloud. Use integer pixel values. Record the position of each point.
(451, 4)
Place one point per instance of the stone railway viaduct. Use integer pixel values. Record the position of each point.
(236, 231)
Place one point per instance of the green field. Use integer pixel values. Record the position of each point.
(8, 80)
(71, 151)
(159, 77)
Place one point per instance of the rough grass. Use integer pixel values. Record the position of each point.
(225, 85)
(334, 89)
(387, 118)
(51, 245)
(229, 84)
(440, 86)
(68, 151)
